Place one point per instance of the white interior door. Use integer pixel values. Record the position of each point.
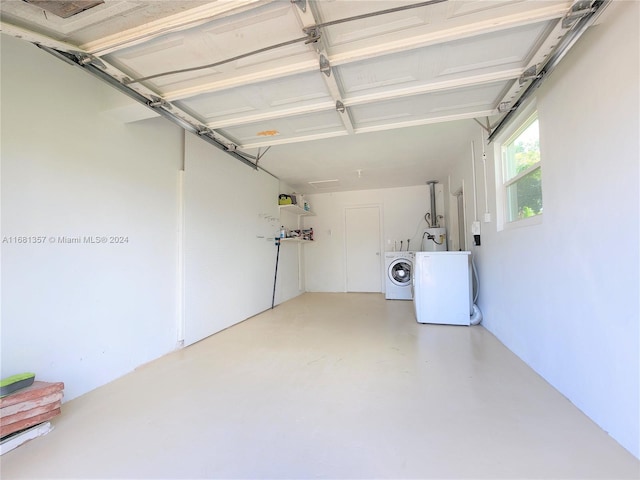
(363, 258)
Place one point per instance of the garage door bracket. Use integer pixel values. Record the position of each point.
(325, 66)
(301, 4)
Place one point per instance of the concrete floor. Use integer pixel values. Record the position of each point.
(327, 386)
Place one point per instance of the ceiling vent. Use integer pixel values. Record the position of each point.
(65, 9)
(320, 184)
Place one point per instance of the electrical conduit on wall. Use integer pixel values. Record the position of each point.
(476, 314)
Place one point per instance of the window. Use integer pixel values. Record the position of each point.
(522, 173)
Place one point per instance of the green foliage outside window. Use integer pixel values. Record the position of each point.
(524, 195)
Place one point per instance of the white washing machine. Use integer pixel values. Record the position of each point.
(399, 275)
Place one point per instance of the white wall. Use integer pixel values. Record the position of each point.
(563, 294)
(86, 314)
(403, 211)
(83, 314)
(231, 219)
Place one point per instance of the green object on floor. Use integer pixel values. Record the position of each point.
(15, 382)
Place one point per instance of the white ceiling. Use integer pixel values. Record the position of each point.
(411, 82)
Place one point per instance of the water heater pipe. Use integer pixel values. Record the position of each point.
(475, 225)
(434, 215)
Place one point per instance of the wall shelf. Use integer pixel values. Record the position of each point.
(296, 210)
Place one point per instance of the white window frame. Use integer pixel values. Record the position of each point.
(516, 127)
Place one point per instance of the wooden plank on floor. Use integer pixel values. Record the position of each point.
(36, 390)
(28, 422)
(30, 404)
(6, 420)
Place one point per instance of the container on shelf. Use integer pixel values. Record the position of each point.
(307, 234)
(284, 199)
(297, 199)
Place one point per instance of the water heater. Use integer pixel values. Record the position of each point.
(434, 237)
(434, 240)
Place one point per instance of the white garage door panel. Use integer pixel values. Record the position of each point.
(277, 80)
(481, 55)
(299, 91)
(321, 123)
(420, 107)
(219, 40)
(371, 29)
(431, 24)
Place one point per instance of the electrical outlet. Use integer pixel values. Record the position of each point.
(487, 217)
(475, 228)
